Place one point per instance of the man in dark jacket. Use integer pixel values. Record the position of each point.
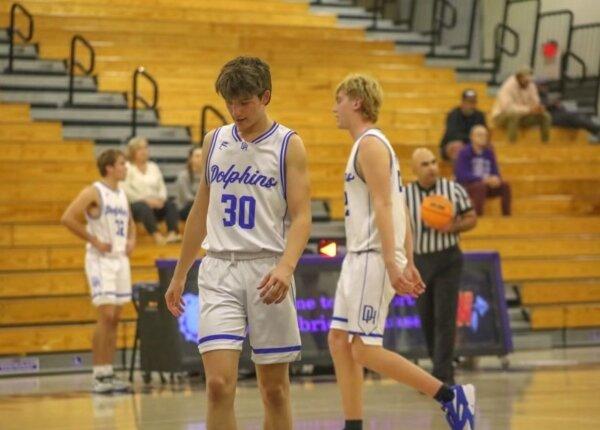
(459, 122)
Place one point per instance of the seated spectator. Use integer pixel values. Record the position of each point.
(147, 193)
(188, 181)
(459, 122)
(477, 170)
(518, 105)
(561, 117)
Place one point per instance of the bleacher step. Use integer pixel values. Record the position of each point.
(19, 82)
(107, 117)
(120, 134)
(20, 51)
(37, 66)
(60, 98)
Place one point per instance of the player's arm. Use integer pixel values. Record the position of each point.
(275, 285)
(193, 235)
(74, 215)
(464, 222)
(374, 165)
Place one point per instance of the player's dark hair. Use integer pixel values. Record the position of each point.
(243, 77)
(108, 158)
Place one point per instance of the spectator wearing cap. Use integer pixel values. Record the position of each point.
(476, 169)
(518, 105)
(459, 122)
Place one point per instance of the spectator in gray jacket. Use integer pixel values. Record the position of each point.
(188, 181)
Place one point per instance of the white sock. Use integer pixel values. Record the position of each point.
(103, 370)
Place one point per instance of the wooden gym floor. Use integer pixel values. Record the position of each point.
(549, 390)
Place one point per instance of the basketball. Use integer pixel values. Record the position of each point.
(436, 211)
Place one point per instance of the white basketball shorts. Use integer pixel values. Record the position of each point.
(109, 278)
(363, 297)
(231, 308)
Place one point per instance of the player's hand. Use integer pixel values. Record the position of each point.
(275, 285)
(412, 274)
(129, 246)
(400, 283)
(101, 246)
(173, 297)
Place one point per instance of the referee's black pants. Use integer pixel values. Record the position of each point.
(441, 273)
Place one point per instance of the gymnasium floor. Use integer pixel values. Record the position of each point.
(543, 390)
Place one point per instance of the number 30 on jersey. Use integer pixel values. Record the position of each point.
(239, 211)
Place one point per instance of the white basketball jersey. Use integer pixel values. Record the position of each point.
(112, 225)
(247, 211)
(361, 229)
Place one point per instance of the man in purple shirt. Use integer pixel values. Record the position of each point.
(477, 170)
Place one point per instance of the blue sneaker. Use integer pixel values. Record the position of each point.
(460, 412)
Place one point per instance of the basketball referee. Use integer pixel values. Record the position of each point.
(439, 259)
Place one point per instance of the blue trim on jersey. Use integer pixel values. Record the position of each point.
(384, 144)
(220, 337)
(210, 153)
(282, 166)
(117, 191)
(277, 350)
(339, 319)
(265, 135)
(360, 333)
(283, 173)
(236, 135)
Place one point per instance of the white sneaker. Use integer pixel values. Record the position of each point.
(460, 412)
(173, 237)
(120, 386)
(102, 384)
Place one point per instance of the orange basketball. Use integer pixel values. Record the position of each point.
(436, 211)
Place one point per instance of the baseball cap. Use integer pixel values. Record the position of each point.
(469, 94)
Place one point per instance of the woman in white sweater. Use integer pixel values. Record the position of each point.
(147, 193)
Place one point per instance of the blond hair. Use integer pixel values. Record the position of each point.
(366, 89)
(133, 145)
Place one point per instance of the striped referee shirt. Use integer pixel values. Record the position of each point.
(425, 239)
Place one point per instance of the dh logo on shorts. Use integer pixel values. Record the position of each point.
(369, 314)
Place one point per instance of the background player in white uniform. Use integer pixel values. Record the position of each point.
(379, 263)
(253, 209)
(110, 236)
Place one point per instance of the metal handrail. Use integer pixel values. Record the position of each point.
(205, 110)
(408, 21)
(439, 23)
(76, 64)
(499, 45)
(141, 71)
(577, 58)
(12, 31)
(454, 15)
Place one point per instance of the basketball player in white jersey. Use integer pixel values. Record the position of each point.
(252, 215)
(379, 263)
(100, 215)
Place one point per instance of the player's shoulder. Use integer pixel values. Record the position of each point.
(213, 134)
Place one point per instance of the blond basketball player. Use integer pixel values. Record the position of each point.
(100, 215)
(252, 211)
(379, 264)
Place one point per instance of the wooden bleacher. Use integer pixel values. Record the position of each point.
(550, 245)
